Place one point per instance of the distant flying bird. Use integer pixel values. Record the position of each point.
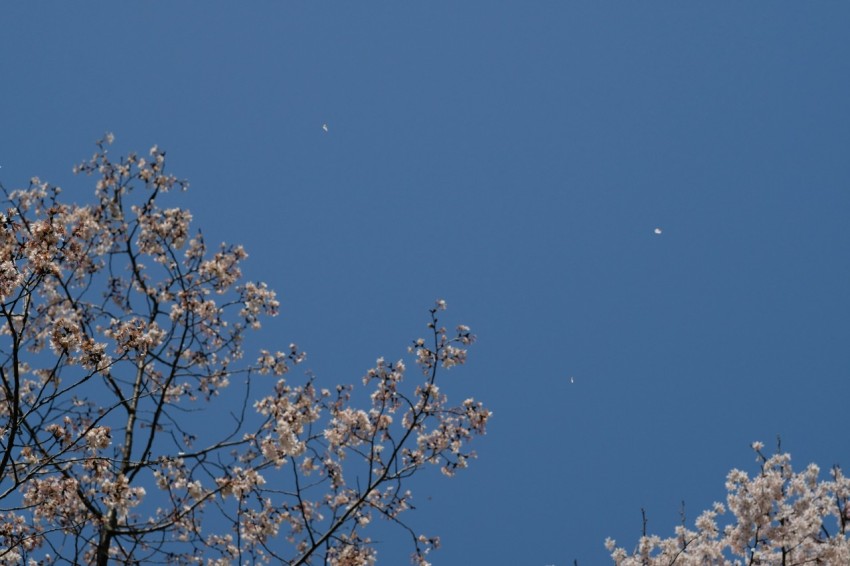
(657, 231)
(325, 127)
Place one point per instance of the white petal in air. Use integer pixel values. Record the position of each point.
(325, 127)
(657, 231)
(572, 379)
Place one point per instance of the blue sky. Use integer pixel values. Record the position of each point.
(513, 158)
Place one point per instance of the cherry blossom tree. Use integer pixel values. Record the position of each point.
(778, 517)
(120, 329)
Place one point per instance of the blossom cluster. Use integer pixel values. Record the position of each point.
(778, 517)
(118, 328)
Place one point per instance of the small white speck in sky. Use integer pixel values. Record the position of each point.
(657, 231)
(325, 127)
(572, 379)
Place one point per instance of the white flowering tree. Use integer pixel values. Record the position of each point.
(779, 517)
(119, 331)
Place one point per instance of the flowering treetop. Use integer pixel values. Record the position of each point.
(118, 327)
(779, 517)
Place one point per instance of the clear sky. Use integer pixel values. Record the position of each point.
(513, 158)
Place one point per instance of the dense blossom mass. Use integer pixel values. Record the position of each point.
(119, 331)
(778, 517)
